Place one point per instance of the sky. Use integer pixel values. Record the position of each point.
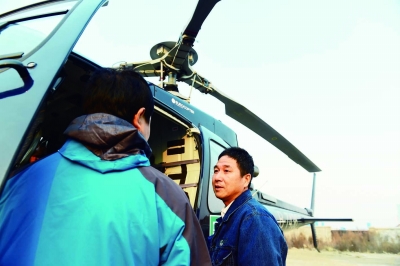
(325, 75)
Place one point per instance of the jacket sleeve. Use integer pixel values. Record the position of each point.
(261, 241)
(181, 238)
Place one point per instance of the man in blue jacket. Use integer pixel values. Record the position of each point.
(97, 201)
(246, 233)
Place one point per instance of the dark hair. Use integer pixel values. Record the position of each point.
(119, 92)
(243, 160)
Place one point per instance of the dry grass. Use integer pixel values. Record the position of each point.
(356, 241)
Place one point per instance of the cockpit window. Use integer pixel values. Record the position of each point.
(18, 12)
(7, 6)
(23, 31)
(215, 205)
(25, 36)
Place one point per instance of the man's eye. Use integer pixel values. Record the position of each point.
(215, 171)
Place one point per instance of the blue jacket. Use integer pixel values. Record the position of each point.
(247, 235)
(79, 207)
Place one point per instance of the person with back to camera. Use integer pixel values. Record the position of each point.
(246, 233)
(97, 201)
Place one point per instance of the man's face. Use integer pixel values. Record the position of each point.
(227, 181)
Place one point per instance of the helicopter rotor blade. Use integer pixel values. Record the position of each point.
(189, 34)
(256, 124)
(251, 121)
(200, 14)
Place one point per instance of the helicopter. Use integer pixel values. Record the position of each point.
(41, 92)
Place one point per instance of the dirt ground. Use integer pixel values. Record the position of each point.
(302, 257)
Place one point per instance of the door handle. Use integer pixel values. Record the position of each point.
(23, 73)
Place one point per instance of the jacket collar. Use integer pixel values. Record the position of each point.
(108, 136)
(237, 203)
(77, 152)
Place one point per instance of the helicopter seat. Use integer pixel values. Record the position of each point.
(182, 164)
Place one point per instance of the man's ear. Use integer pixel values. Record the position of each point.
(138, 118)
(247, 179)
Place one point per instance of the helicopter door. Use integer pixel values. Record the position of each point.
(35, 42)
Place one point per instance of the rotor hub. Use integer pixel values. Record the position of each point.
(163, 48)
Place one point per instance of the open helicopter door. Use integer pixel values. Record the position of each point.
(29, 66)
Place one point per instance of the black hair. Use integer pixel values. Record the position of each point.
(119, 92)
(243, 160)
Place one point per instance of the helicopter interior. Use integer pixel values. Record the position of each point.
(175, 144)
